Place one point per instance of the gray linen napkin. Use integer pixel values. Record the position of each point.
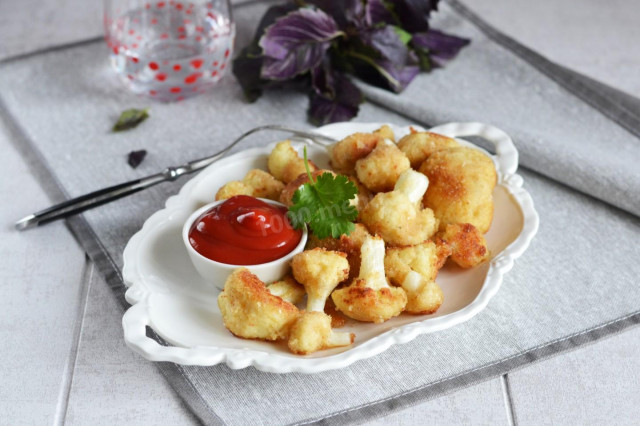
(575, 284)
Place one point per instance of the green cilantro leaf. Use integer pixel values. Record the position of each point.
(324, 205)
(130, 118)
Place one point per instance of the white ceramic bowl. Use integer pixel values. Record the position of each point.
(216, 273)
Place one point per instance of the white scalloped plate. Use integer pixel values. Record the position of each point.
(168, 295)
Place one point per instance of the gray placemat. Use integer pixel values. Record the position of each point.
(576, 283)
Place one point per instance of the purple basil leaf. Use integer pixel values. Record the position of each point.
(334, 97)
(441, 47)
(414, 14)
(387, 43)
(246, 69)
(135, 157)
(403, 75)
(377, 13)
(384, 73)
(247, 64)
(342, 11)
(296, 43)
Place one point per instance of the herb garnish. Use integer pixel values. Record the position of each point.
(316, 43)
(130, 118)
(324, 204)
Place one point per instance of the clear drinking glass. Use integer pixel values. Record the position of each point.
(169, 50)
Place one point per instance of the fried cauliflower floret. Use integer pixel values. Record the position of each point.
(363, 197)
(380, 170)
(398, 216)
(402, 264)
(288, 289)
(232, 189)
(264, 185)
(349, 244)
(422, 258)
(468, 246)
(256, 183)
(461, 186)
(250, 311)
(312, 332)
(319, 271)
(346, 152)
(369, 297)
(285, 164)
(286, 195)
(423, 296)
(443, 250)
(386, 133)
(419, 146)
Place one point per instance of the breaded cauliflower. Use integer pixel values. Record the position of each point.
(288, 289)
(346, 152)
(422, 258)
(233, 188)
(349, 244)
(380, 170)
(402, 264)
(370, 297)
(319, 271)
(443, 250)
(386, 133)
(250, 311)
(418, 146)
(468, 246)
(286, 195)
(256, 183)
(312, 332)
(461, 186)
(423, 296)
(398, 216)
(285, 164)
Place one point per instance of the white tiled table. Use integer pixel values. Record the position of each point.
(63, 357)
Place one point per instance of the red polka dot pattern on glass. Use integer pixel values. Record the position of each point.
(143, 42)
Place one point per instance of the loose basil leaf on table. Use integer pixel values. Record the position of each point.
(130, 118)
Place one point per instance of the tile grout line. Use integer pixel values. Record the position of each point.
(508, 400)
(70, 366)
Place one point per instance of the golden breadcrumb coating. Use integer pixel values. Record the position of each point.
(286, 195)
(250, 311)
(264, 185)
(319, 271)
(423, 296)
(380, 170)
(443, 250)
(369, 297)
(256, 183)
(419, 146)
(232, 189)
(397, 220)
(386, 133)
(363, 303)
(312, 332)
(346, 152)
(349, 244)
(461, 182)
(285, 164)
(468, 245)
(337, 319)
(287, 289)
(422, 258)
(363, 197)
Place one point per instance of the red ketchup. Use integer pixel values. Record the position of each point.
(244, 231)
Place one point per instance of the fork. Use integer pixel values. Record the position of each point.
(106, 195)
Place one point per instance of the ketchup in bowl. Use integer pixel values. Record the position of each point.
(244, 231)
